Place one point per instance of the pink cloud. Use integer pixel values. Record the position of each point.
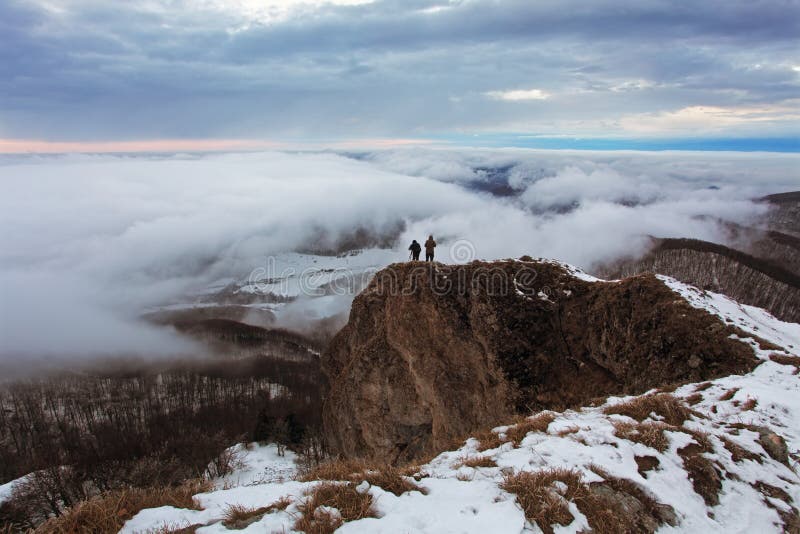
(16, 146)
(159, 145)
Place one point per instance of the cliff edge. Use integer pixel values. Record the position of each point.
(432, 352)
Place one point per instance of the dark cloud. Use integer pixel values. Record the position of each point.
(85, 69)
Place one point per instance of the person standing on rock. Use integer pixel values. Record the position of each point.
(415, 250)
(430, 244)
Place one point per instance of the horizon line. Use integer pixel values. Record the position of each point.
(783, 145)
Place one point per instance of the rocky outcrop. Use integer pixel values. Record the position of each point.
(718, 268)
(433, 352)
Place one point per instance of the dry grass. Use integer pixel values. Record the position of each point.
(611, 515)
(785, 359)
(606, 505)
(109, 511)
(336, 470)
(665, 405)
(749, 404)
(567, 431)
(350, 504)
(239, 517)
(539, 499)
(387, 477)
(390, 479)
(790, 517)
(694, 398)
(701, 438)
(739, 453)
(536, 423)
(488, 440)
(703, 386)
(705, 477)
(648, 434)
(476, 461)
(644, 464)
(175, 529)
(728, 395)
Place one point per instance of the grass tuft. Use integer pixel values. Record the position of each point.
(476, 461)
(728, 395)
(649, 434)
(238, 517)
(540, 499)
(487, 439)
(351, 505)
(536, 423)
(109, 511)
(665, 405)
(387, 477)
(739, 453)
(704, 475)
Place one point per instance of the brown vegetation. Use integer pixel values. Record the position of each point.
(540, 500)
(614, 505)
(488, 439)
(749, 404)
(646, 463)
(526, 425)
(476, 461)
(350, 504)
(728, 395)
(238, 517)
(700, 437)
(785, 359)
(387, 477)
(648, 434)
(739, 453)
(135, 426)
(694, 398)
(107, 513)
(790, 517)
(706, 478)
(665, 405)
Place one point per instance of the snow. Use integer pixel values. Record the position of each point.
(8, 488)
(462, 499)
(258, 464)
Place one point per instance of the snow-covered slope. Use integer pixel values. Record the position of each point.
(291, 284)
(722, 469)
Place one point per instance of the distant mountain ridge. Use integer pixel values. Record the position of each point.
(762, 270)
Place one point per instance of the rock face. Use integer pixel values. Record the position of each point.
(433, 352)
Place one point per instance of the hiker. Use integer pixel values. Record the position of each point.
(430, 244)
(415, 250)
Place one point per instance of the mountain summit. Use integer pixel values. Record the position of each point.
(431, 353)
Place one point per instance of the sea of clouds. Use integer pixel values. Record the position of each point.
(88, 242)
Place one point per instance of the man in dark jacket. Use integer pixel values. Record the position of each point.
(430, 244)
(415, 250)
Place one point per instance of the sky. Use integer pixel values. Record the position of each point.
(93, 75)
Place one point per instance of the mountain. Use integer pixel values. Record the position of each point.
(432, 352)
(743, 277)
(759, 266)
(712, 456)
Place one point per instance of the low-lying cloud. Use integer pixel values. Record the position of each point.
(89, 242)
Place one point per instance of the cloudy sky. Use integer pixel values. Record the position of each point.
(88, 74)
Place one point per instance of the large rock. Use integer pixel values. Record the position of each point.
(433, 352)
